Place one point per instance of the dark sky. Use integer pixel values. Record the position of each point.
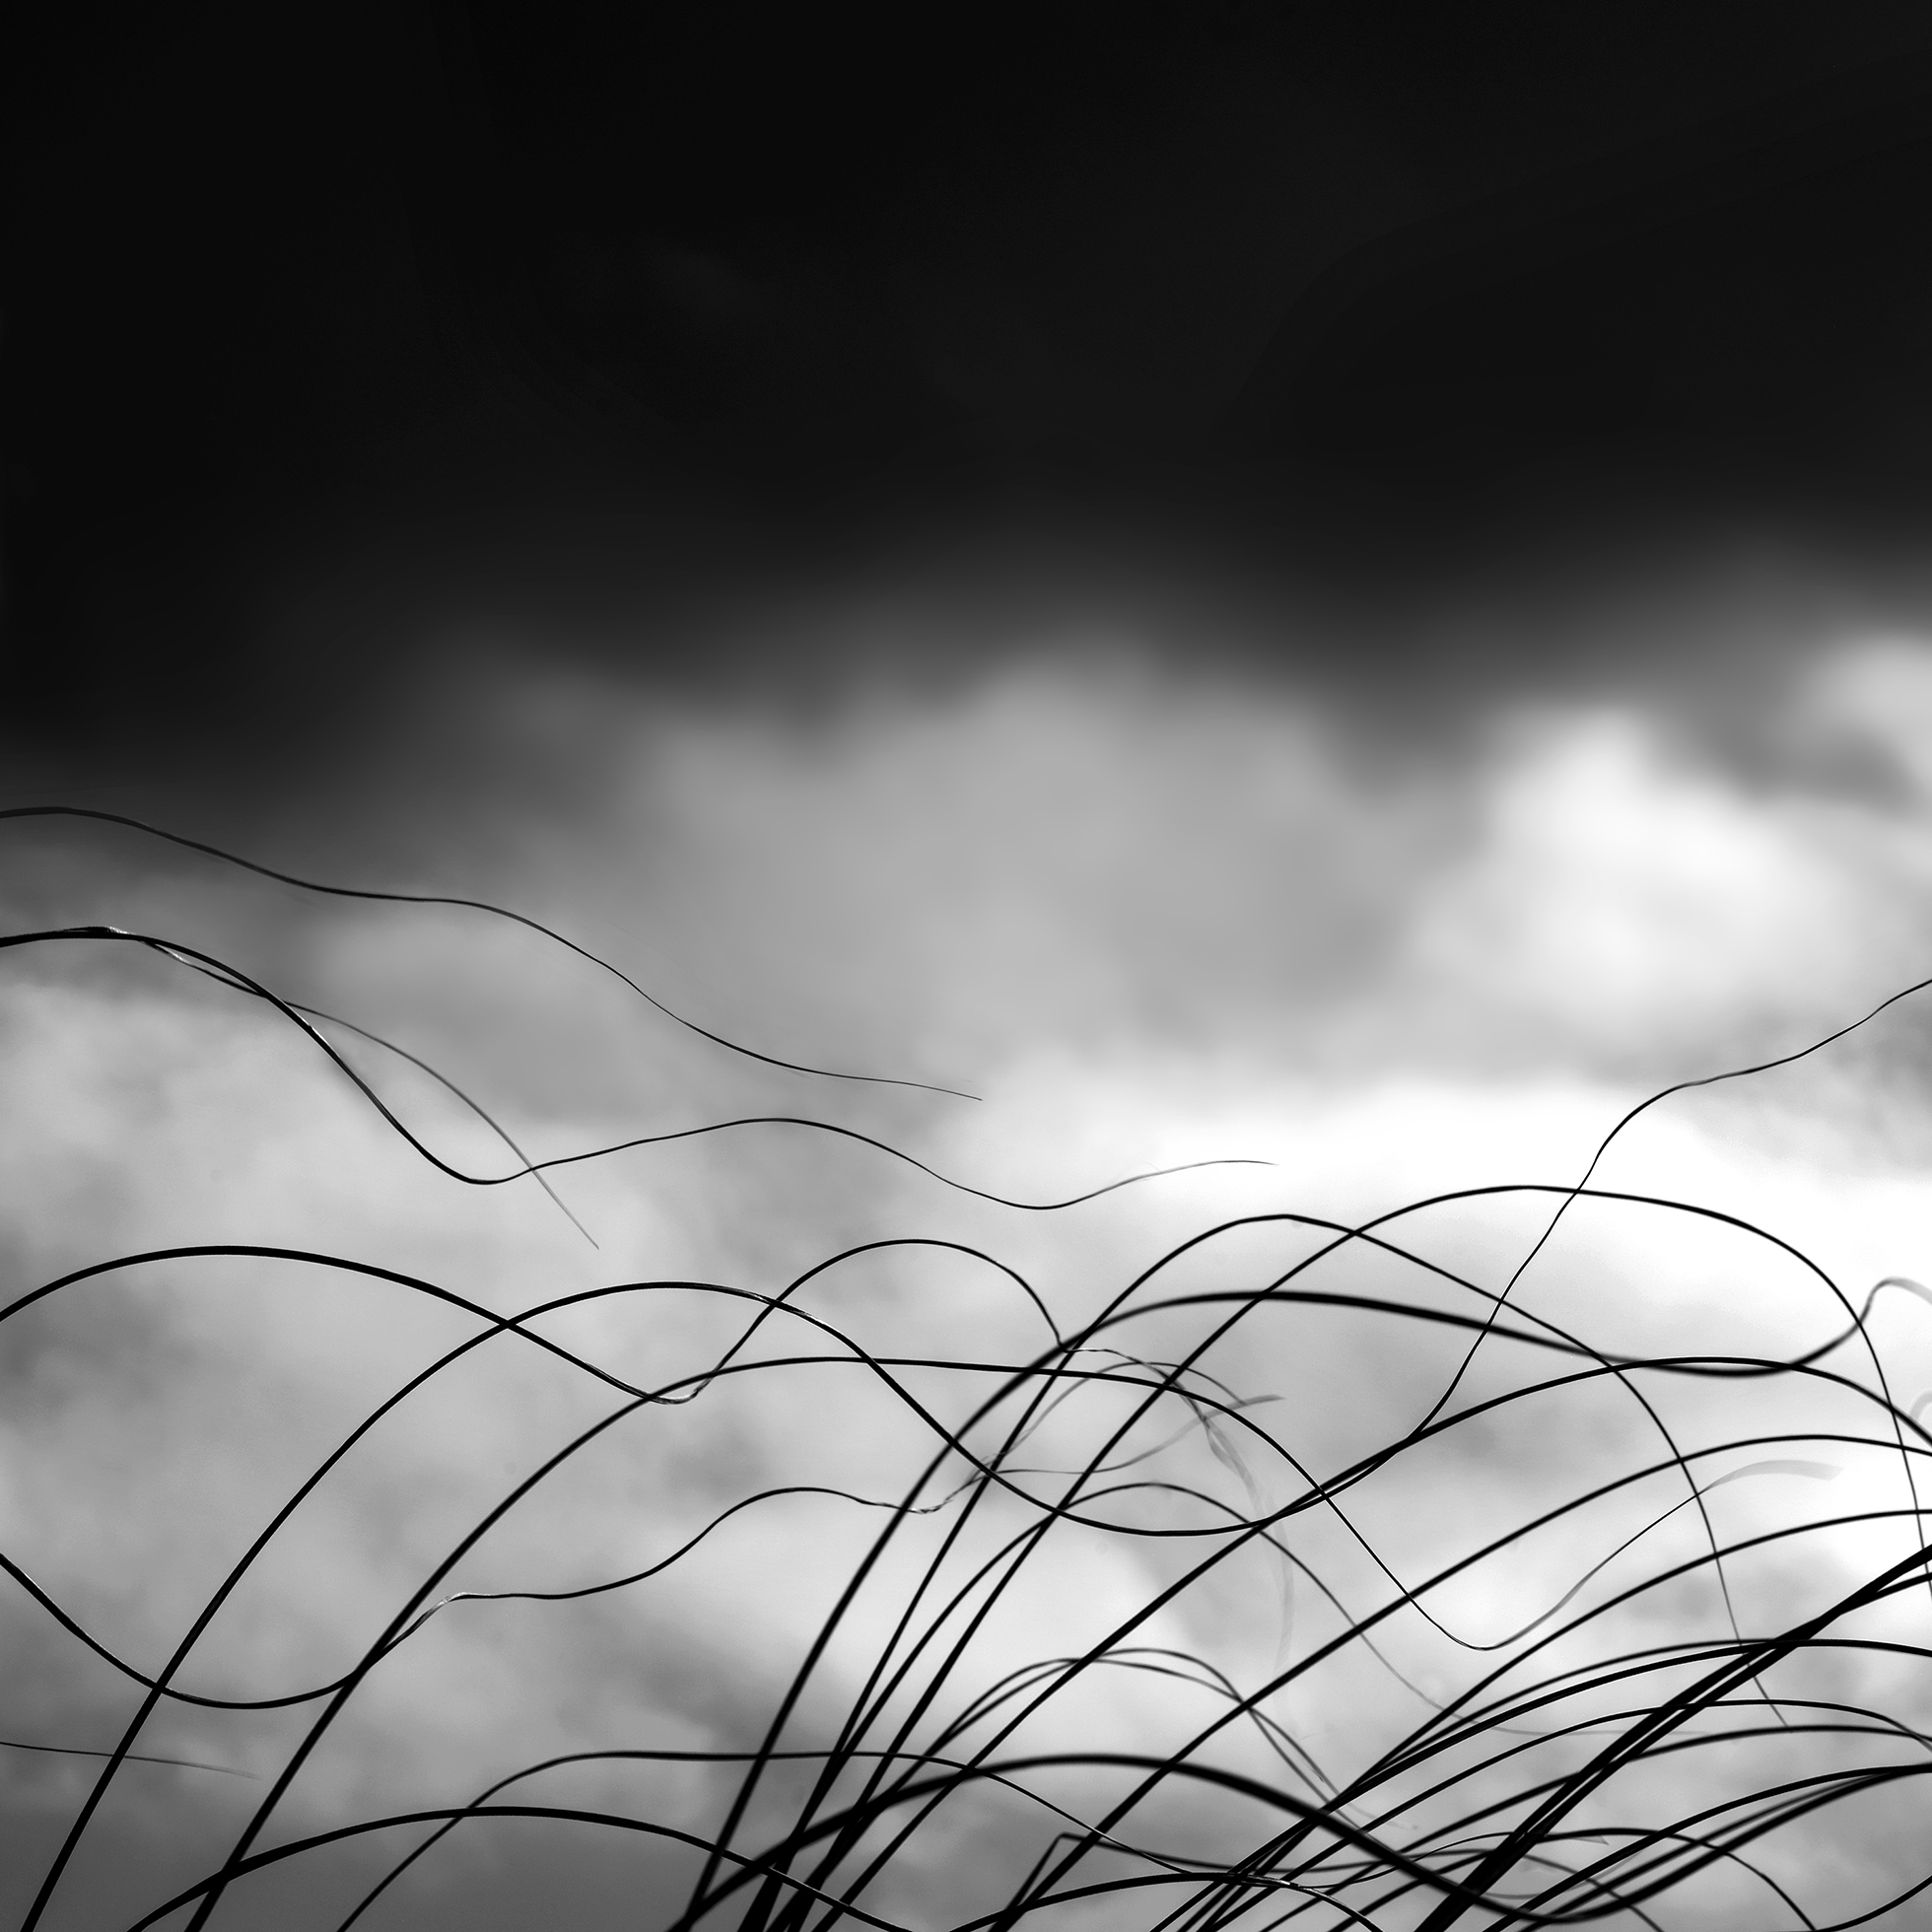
(559, 289)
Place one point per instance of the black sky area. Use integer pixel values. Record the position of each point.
(567, 300)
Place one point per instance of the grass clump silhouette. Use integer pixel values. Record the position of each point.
(1604, 1707)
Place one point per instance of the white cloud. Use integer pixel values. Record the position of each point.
(1156, 923)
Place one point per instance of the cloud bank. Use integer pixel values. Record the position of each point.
(1151, 920)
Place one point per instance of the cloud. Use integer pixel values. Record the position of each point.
(1151, 920)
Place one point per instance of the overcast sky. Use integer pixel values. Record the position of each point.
(1333, 587)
